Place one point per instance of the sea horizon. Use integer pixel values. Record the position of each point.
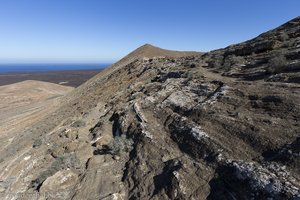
(44, 67)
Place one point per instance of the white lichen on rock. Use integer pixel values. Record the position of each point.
(198, 133)
(270, 178)
(221, 91)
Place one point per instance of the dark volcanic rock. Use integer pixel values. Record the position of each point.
(168, 125)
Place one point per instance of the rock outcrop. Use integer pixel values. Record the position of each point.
(168, 125)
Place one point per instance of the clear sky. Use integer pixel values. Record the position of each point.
(106, 30)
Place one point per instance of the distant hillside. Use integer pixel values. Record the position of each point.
(25, 103)
(71, 78)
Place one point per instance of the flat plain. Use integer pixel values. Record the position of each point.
(72, 78)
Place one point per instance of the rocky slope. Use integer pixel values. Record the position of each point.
(161, 124)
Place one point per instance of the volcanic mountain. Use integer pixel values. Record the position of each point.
(163, 124)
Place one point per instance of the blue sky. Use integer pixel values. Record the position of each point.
(97, 31)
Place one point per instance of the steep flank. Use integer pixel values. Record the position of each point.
(272, 56)
(163, 124)
(145, 51)
(149, 51)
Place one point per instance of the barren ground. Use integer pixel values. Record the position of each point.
(71, 78)
(24, 103)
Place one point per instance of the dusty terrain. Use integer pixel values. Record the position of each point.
(68, 78)
(163, 124)
(23, 104)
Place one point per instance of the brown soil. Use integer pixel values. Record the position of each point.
(166, 125)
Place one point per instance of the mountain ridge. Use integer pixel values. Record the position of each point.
(167, 125)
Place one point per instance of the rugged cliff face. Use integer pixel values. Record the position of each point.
(170, 125)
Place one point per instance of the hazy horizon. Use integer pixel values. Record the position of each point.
(94, 31)
(45, 67)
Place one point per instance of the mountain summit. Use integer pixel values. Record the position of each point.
(150, 51)
(163, 124)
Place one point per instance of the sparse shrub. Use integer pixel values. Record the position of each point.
(193, 65)
(78, 123)
(284, 37)
(289, 43)
(38, 142)
(286, 40)
(238, 60)
(233, 60)
(277, 63)
(217, 61)
(68, 160)
(119, 145)
(62, 162)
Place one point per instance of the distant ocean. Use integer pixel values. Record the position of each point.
(4, 68)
